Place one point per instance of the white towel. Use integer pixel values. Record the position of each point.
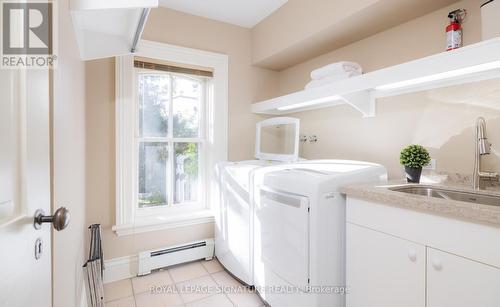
(336, 68)
(332, 79)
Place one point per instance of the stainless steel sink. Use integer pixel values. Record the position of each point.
(470, 197)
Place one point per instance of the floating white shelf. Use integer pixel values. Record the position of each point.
(108, 28)
(475, 62)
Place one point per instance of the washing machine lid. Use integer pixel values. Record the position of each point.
(336, 167)
(305, 178)
(238, 173)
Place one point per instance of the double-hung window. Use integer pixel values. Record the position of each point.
(170, 135)
(171, 130)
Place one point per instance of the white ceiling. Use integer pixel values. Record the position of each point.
(245, 13)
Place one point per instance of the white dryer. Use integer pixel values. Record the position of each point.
(299, 230)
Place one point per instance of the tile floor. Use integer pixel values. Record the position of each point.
(195, 284)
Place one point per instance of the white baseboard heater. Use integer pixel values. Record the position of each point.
(161, 258)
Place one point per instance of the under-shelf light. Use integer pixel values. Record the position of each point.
(440, 76)
(310, 103)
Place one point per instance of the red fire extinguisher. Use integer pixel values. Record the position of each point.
(454, 33)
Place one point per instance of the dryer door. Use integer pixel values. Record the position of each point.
(284, 220)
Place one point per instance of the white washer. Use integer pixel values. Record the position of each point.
(299, 230)
(234, 217)
(277, 142)
(234, 242)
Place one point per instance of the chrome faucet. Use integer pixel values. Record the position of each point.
(482, 148)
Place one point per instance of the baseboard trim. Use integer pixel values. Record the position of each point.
(116, 269)
(120, 268)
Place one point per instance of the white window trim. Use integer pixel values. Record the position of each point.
(215, 144)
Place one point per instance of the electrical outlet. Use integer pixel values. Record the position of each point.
(431, 165)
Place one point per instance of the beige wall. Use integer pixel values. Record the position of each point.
(298, 20)
(68, 120)
(246, 84)
(441, 120)
(100, 150)
(100, 179)
(412, 40)
(301, 30)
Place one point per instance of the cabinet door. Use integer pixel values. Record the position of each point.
(460, 282)
(383, 271)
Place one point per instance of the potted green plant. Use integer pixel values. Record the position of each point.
(414, 157)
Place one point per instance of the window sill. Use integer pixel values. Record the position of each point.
(162, 222)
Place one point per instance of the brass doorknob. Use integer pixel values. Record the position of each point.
(59, 220)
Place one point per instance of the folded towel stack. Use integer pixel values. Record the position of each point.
(333, 73)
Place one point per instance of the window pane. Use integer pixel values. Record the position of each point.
(187, 94)
(152, 174)
(153, 104)
(186, 172)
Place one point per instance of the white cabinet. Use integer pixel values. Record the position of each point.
(399, 257)
(460, 282)
(383, 271)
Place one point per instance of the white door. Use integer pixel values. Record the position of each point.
(24, 188)
(384, 271)
(460, 282)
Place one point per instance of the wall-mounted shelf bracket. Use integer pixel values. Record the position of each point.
(363, 101)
